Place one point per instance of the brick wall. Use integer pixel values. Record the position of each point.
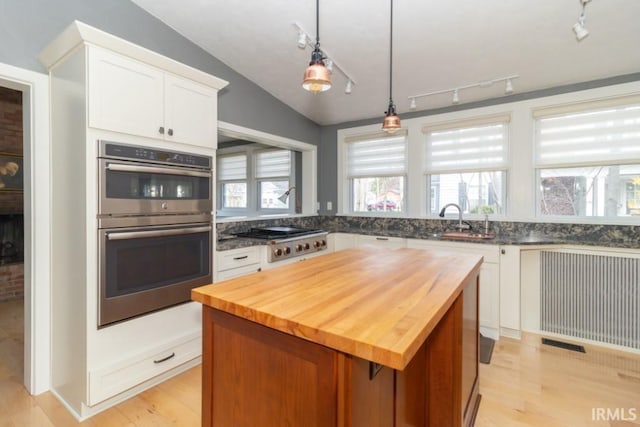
(11, 282)
(11, 275)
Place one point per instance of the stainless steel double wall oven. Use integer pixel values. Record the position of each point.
(154, 228)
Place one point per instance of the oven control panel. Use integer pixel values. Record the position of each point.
(289, 248)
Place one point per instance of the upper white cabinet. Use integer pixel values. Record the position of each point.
(132, 97)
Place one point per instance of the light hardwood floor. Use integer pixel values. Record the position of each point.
(526, 384)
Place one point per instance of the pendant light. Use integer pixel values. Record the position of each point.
(391, 122)
(316, 76)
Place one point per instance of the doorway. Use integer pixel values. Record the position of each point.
(26, 182)
(11, 235)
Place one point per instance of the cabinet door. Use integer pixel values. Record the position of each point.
(490, 299)
(190, 112)
(124, 95)
(510, 290)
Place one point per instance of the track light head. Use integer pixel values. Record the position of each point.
(579, 29)
(456, 98)
(413, 105)
(508, 89)
(348, 87)
(302, 40)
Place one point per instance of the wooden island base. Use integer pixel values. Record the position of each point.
(254, 375)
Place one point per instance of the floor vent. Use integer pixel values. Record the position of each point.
(593, 297)
(565, 345)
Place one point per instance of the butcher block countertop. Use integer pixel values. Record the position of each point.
(377, 304)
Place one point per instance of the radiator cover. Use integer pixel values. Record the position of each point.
(593, 297)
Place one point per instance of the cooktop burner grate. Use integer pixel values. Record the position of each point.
(274, 233)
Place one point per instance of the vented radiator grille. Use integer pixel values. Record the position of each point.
(591, 296)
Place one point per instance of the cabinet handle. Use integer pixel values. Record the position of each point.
(382, 238)
(164, 359)
(502, 251)
(238, 258)
(170, 132)
(161, 130)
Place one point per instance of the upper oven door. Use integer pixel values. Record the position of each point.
(135, 188)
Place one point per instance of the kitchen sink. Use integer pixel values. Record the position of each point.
(467, 235)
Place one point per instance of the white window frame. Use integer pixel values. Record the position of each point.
(220, 184)
(345, 183)
(497, 165)
(293, 196)
(308, 165)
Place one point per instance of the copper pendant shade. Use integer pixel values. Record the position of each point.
(391, 122)
(317, 77)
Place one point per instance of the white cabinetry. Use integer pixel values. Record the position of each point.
(237, 262)
(131, 97)
(341, 241)
(510, 291)
(96, 90)
(381, 241)
(489, 298)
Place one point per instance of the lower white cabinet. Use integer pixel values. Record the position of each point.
(489, 298)
(113, 379)
(237, 262)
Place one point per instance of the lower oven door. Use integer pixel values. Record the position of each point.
(143, 269)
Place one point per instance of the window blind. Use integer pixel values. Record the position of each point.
(273, 163)
(232, 167)
(376, 157)
(470, 146)
(609, 135)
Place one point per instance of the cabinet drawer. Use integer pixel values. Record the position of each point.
(388, 242)
(236, 272)
(235, 258)
(111, 380)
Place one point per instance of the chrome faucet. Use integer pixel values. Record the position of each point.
(460, 225)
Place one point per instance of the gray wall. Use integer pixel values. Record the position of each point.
(27, 26)
(328, 148)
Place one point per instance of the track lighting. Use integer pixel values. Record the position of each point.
(329, 63)
(302, 39)
(316, 76)
(348, 87)
(578, 28)
(391, 122)
(456, 90)
(508, 89)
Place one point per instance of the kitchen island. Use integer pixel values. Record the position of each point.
(362, 337)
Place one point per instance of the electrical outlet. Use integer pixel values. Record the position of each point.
(329, 206)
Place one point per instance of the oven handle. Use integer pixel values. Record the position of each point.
(155, 233)
(151, 169)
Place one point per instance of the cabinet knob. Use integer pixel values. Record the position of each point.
(502, 251)
(161, 130)
(170, 132)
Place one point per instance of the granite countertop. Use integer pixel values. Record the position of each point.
(312, 300)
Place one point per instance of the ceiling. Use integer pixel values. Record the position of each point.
(437, 45)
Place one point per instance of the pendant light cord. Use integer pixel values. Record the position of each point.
(391, 57)
(317, 23)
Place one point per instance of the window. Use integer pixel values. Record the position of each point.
(376, 170)
(232, 178)
(466, 164)
(273, 174)
(252, 180)
(588, 159)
